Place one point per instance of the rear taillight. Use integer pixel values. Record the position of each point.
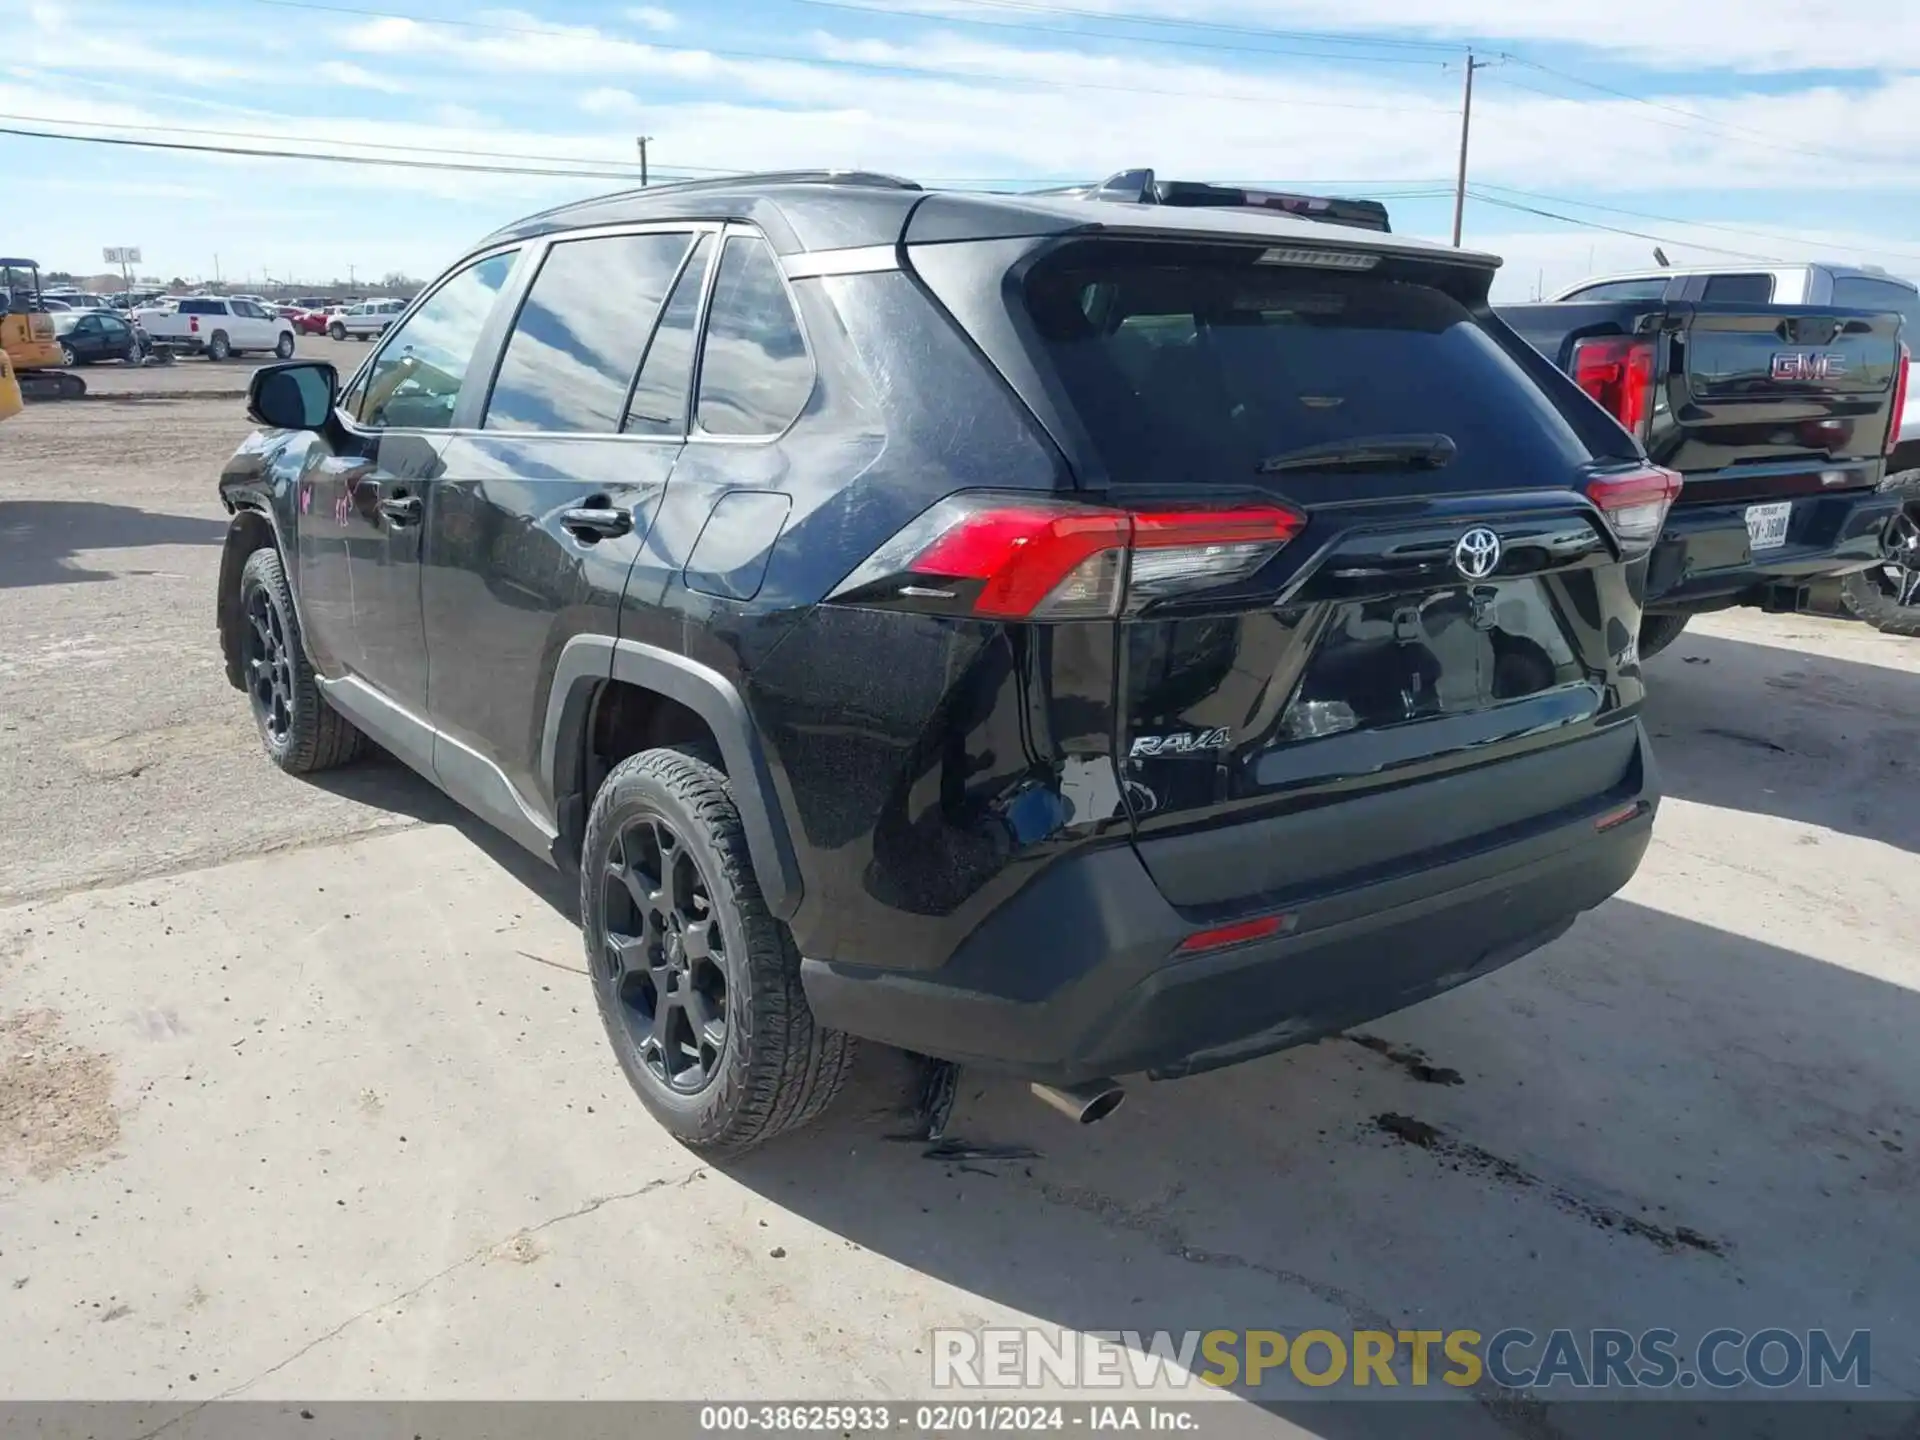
(193, 324)
(1900, 377)
(1635, 503)
(1617, 371)
(1016, 559)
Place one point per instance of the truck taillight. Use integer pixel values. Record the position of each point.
(193, 324)
(1617, 371)
(1901, 374)
(1635, 503)
(1014, 559)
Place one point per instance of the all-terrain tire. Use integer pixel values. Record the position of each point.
(1657, 632)
(1867, 593)
(317, 737)
(779, 1069)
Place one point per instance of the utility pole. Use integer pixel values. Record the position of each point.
(216, 270)
(1466, 123)
(641, 141)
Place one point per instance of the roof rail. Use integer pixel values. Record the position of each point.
(772, 177)
(1140, 187)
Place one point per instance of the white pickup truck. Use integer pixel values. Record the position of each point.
(365, 321)
(219, 328)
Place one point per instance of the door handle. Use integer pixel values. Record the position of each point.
(596, 522)
(402, 509)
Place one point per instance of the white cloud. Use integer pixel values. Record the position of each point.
(1775, 35)
(358, 77)
(652, 17)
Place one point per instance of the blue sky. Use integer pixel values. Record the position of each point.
(1727, 130)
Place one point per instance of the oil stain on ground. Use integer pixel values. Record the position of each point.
(56, 1099)
(1471, 1158)
(1409, 1059)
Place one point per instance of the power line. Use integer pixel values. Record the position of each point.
(1700, 122)
(1486, 199)
(1676, 219)
(323, 158)
(263, 135)
(1031, 29)
(836, 62)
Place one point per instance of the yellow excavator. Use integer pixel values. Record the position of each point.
(27, 338)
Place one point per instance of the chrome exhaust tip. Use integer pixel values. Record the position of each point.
(1083, 1104)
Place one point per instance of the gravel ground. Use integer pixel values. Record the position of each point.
(299, 1098)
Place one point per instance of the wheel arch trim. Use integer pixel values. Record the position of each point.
(588, 661)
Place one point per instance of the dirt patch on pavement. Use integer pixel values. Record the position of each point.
(56, 1099)
(1473, 1160)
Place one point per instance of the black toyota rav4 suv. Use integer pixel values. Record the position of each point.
(1072, 637)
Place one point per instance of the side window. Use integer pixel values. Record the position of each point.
(414, 382)
(1653, 287)
(1738, 290)
(578, 338)
(659, 403)
(1864, 292)
(754, 370)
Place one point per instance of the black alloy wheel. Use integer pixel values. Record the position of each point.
(1887, 595)
(267, 662)
(665, 964)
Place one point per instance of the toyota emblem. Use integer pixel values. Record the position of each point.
(1478, 554)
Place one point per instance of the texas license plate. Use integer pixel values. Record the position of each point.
(1767, 525)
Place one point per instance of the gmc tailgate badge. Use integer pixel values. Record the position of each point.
(1808, 365)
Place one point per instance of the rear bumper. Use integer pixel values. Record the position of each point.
(1703, 559)
(1077, 976)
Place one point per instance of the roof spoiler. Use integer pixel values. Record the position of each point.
(1140, 187)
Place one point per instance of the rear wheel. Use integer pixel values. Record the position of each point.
(1888, 595)
(697, 984)
(1657, 632)
(219, 347)
(301, 732)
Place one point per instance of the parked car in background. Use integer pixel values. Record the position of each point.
(1078, 638)
(365, 320)
(1780, 415)
(85, 336)
(309, 322)
(220, 327)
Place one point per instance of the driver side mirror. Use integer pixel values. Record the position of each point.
(297, 395)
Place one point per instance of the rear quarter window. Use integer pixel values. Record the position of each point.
(1196, 374)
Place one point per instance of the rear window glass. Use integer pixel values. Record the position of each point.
(1653, 287)
(1738, 290)
(1200, 373)
(203, 307)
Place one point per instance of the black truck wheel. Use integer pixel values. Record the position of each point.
(301, 732)
(1888, 595)
(697, 984)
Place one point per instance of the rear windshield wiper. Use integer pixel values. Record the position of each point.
(1368, 452)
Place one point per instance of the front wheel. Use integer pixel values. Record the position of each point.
(697, 984)
(1888, 595)
(1657, 632)
(284, 346)
(67, 357)
(301, 732)
(338, 332)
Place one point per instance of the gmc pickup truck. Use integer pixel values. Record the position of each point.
(1780, 418)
